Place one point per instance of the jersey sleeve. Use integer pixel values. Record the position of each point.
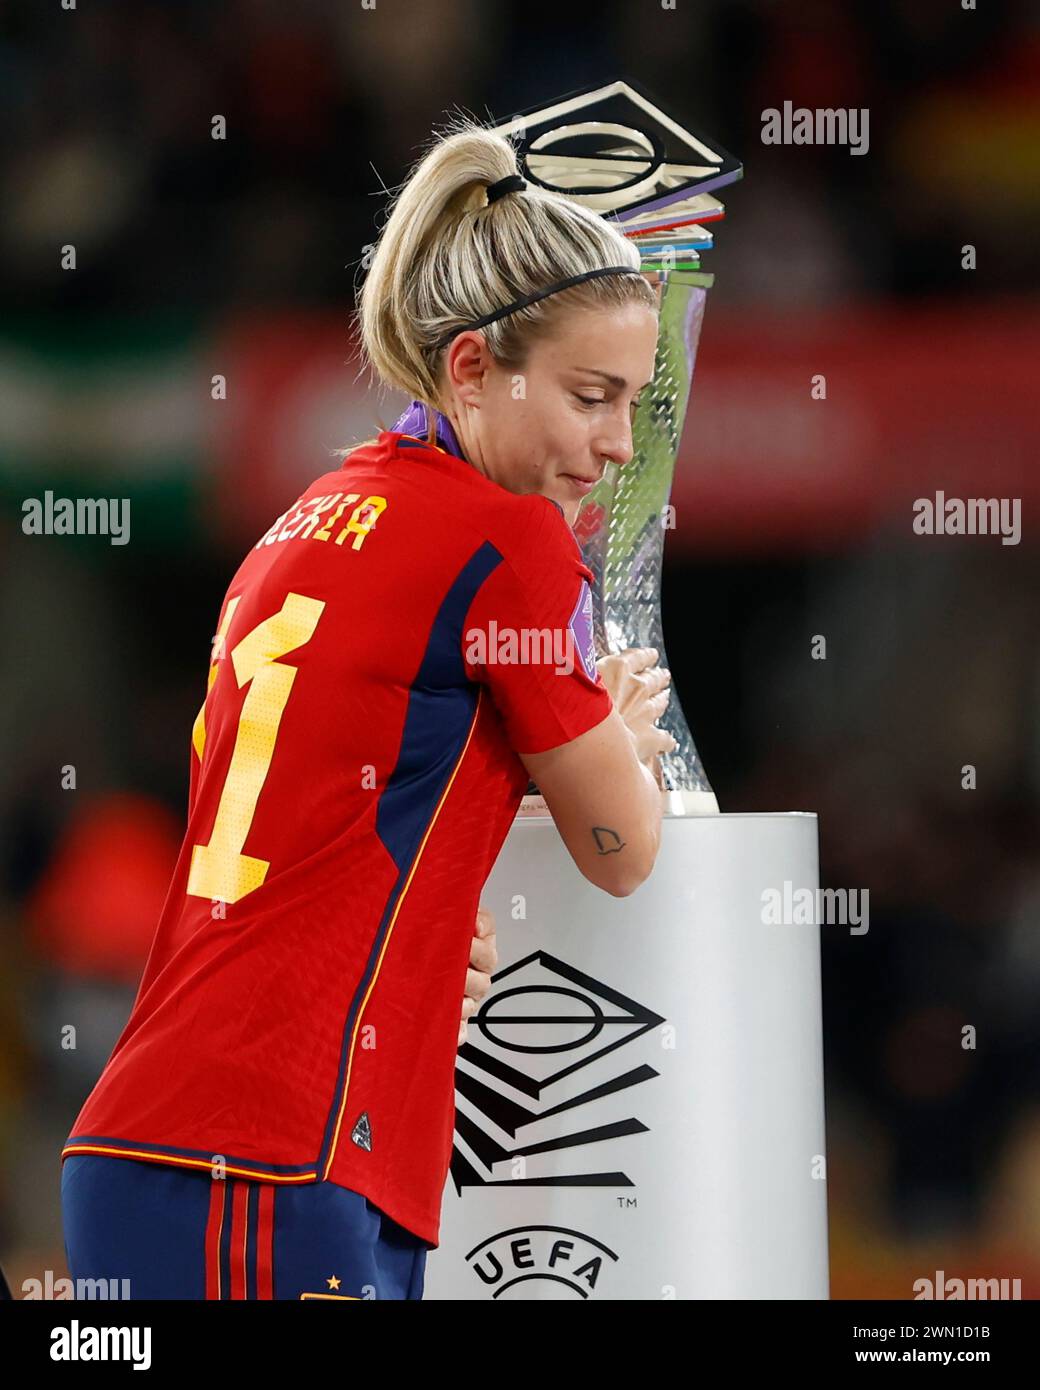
(528, 636)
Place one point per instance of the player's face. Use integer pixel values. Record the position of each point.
(552, 427)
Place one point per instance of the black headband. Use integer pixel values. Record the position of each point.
(538, 294)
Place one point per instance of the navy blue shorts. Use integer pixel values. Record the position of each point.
(179, 1233)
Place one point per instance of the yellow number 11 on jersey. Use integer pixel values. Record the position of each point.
(220, 869)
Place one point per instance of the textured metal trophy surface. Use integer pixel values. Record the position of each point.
(622, 524)
(612, 149)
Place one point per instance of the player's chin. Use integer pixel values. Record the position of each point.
(568, 502)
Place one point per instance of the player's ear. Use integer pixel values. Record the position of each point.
(466, 364)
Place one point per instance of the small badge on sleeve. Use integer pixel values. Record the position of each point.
(580, 626)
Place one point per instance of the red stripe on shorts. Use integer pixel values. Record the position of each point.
(239, 1232)
(213, 1227)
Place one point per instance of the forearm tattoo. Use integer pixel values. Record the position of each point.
(607, 841)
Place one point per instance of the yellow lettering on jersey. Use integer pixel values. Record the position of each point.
(271, 533)
(220, 869)
(297, 520)
(326, 531)
(321, 504)
(198, 731)
(362, 519)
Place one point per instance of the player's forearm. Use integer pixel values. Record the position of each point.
(650, 806)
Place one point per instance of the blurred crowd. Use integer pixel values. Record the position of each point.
(934, 1149)
(107, 113)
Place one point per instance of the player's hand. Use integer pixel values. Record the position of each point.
(640, 691)
(483, 958)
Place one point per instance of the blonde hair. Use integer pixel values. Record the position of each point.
(446, 257)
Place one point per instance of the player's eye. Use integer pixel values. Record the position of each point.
(589, 400)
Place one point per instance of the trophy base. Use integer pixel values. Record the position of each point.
(690, 803)
(675, 803)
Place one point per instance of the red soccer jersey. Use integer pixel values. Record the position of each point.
(354, 772)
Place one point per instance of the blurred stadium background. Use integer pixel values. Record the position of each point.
(793, 517)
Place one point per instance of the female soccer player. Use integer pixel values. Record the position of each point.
(276, 1119)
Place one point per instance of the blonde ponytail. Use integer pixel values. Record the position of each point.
(446, 257)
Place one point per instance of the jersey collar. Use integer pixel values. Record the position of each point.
(414, 423)
(412, 429)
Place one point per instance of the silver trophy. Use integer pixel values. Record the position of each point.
(613, 149)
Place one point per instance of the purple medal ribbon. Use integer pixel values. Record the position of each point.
(416, 421)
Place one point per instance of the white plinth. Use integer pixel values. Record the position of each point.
(639, 1110)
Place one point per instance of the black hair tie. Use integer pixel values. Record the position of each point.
(512, 183)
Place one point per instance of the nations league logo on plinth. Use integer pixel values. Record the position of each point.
(547, 1093)
(613, 149)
